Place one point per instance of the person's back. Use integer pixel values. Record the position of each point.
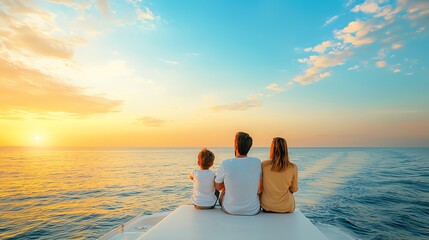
(241, 177)
(279, 179)
(204, 194)
(278, 187)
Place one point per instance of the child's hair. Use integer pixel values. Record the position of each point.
(206, 157)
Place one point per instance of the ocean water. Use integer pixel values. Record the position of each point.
(367, 193)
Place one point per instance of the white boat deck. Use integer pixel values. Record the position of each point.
(186, 222)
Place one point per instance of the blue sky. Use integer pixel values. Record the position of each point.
(319, 73)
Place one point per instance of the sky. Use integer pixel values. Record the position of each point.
(192, 73)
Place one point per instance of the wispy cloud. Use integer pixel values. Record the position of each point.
(380, 64)
(375, 16)
(356, 33)
(418, 10)
(397, 70)
(192, 54)
(103, 5)
(397, 45)
(277, 88)
(145, 15)
(321, 48)
(349, 3)
(330, 20)
(355, 67)
(80, 6)
(151, 121)
(318, 63)
(169, 61)
(28, 90)
(237, 106)
(34, 35)
(26, 85)
(369, 6)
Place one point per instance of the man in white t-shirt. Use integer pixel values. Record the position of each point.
(239, 179)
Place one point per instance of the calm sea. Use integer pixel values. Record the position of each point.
(368, 193)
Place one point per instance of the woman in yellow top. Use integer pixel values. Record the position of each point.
(279, 180)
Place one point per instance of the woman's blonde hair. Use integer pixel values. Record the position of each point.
(279, 155)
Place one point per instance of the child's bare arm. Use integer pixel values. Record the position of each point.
(219, 186)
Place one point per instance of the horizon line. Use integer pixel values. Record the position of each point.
(136, 147)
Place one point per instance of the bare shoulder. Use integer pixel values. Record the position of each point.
(265, 163)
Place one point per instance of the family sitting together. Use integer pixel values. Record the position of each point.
(246, 184)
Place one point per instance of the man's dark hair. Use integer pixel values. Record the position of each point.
(243, 142)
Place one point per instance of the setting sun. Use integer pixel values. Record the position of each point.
(37, 138)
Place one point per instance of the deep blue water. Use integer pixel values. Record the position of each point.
(369, 193)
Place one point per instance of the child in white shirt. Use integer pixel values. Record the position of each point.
(204, 195)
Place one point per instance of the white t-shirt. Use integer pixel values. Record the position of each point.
(204, 191)
(241, 178)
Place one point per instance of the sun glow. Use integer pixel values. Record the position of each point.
(37, 138)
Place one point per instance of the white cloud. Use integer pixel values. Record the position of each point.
(103, 5)
(380, 64)
(237, 106)
(318, 63)
(381, 54)
(309, 49)
(375, 25)
(417, 10)
(349, 3)
(143, 80)
(397, 45)
(311, 75)
(151, 121)
(356, 33)
(29, 90)
(325, 74)
(303, 60)
(355, 67)
(170, 62)
(80, 6)
(369, 6)
(331, 20)
(333, 58)
(322, 47)
(276, 88)
(145, 15)
(397, 70)
(35, 52)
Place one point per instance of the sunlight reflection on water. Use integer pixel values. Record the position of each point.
(85, 193)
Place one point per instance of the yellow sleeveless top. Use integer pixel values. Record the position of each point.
(278, 187)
